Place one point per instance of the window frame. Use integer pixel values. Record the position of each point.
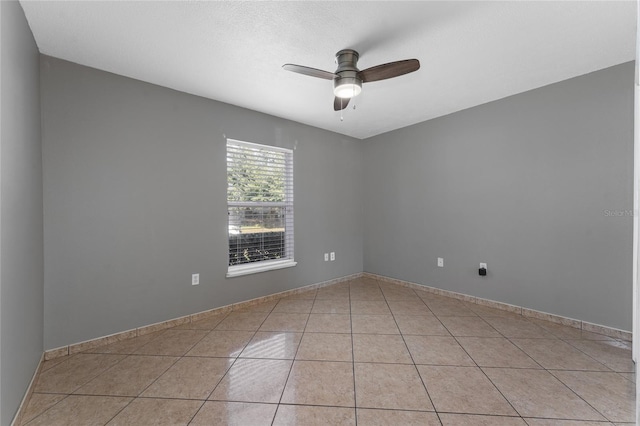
(271, 264)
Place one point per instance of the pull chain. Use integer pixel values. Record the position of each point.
(353, 97)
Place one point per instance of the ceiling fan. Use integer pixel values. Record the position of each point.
(348, 79)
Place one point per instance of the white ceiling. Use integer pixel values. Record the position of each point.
(471, 52)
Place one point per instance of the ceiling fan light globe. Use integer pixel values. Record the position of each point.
(347, 90)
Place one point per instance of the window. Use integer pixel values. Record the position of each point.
(260, 207)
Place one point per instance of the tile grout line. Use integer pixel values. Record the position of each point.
(162, 374)
(552, 375)
(519, 310)
(509, 339)
(234, 360)
(141, 392)
(608, 370)
(485, 374)
(294, 357)
(415, 367)
(377, 283)
(353, 362)
(580, 350)
(414, 363)
(579, 396)
(480, 368)
(32, 419)
(71, 349)
(85, 383)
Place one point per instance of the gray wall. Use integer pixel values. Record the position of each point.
(523, 184)
(21, 264)
(135, 202)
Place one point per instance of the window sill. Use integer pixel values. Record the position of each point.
(253, 268)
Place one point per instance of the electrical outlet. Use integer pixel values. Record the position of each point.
(441, 262)
(333, 256)
(326, 257)
(195, 279)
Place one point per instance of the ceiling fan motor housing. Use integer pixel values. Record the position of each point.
(347, 84)
(348, 79)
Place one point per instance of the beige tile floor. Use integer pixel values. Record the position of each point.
(363, 352)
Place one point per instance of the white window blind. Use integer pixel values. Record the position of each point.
(260, 207)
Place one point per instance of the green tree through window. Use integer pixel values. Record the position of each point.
(260, 203)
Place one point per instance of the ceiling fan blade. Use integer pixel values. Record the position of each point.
(309, 71)
(390, 70)
(340, 103)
